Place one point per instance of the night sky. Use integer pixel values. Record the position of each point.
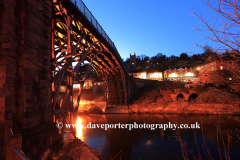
(152, 26)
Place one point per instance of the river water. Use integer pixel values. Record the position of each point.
(216, 138)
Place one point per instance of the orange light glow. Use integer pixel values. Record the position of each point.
(198, 68)
(173, 75)
(79, 129)
(76, 86)
(156, 75)
(189, 74)
(143, 76)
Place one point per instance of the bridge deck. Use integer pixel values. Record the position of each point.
(88, 20)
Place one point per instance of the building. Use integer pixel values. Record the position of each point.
(150, 76)
(132, 65)
(180, 74)
(155, 76)
(204, 77)
(141, 75)
(218, 65)
(133, 62)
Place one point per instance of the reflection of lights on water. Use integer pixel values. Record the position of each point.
(149, 142)
(79, 129)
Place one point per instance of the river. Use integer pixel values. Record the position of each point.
(217, 136)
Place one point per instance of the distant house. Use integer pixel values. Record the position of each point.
(204, 77)
(151, 76)
(218, 65)
(155, 76)
(181, 74)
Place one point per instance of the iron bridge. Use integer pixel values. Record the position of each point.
(78, 37)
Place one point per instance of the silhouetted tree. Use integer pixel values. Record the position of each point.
(183, 56)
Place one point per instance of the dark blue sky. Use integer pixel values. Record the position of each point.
(151, 26)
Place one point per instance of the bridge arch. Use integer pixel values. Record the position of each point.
(180, 96)
(193, 96)
(75, 39)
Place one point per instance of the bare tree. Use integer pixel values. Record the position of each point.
(225, 30)
(225, 27)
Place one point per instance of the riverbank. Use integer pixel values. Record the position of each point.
(74, 150)
(177, 107)
(186, 108)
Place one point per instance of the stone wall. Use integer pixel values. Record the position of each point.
(25, 62)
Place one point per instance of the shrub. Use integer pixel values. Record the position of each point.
(185, 90)
(218, 97)
(199, 89)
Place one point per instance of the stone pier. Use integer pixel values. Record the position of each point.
(25, 71)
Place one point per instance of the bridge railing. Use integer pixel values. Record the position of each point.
(81, 6)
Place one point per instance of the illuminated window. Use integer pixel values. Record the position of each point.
(143, 75)
(221, 67)
(156, 75)
(189, 74)
(173, 75)
(77, 85)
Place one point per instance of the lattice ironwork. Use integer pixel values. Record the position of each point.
(74, 40)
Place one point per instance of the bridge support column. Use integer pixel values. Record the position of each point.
(25, 76)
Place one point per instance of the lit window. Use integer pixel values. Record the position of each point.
(143, 76)
(221, 67)
(173, 75)
(132, 63)
(189, 74)
(76, 85)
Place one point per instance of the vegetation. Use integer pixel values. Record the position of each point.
(199, 89)
(224, 30)
(218, 97)
(185, 90)
(60, 151)
(188, 153)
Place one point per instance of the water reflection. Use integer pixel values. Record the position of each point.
(79, 129)
(159, 144)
